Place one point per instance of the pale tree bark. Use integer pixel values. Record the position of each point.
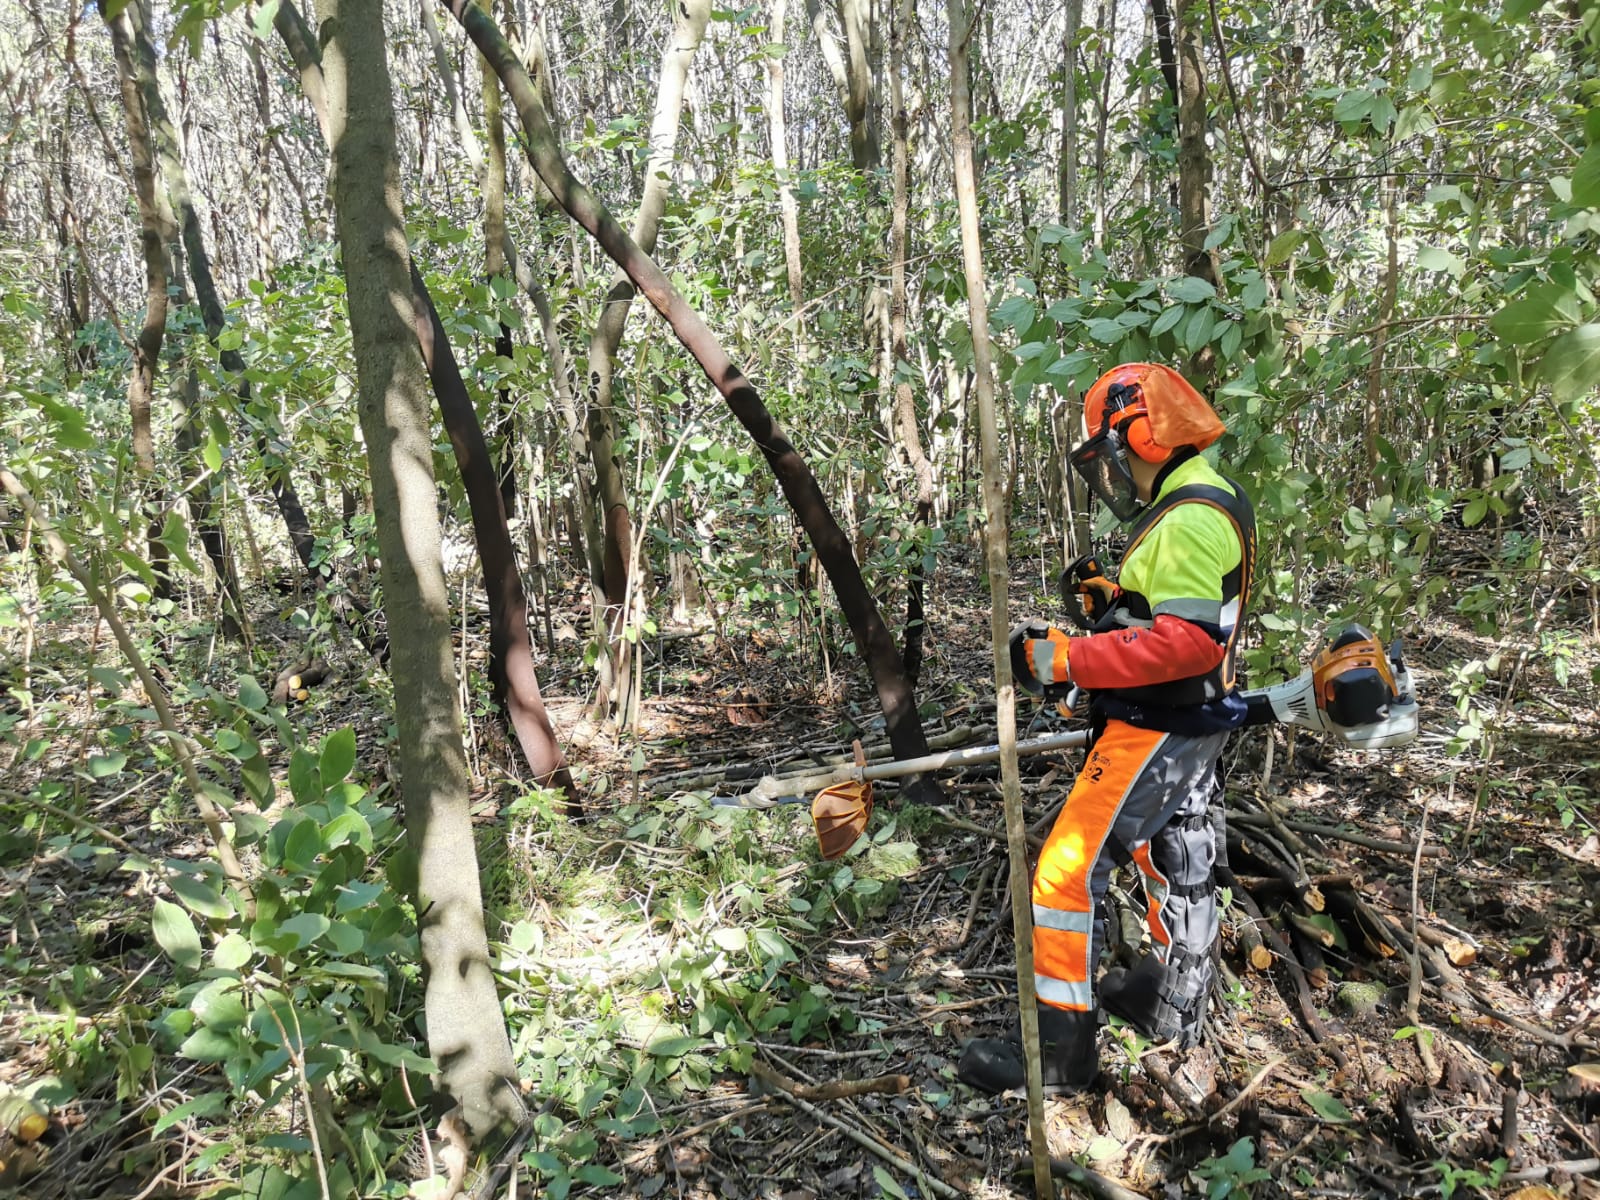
(466, 1029)
(779, 136)
(513, 681)
(1194, 159)
(175, 175)
(905, 401)
(156, 230)
(799, 484)
(1372, 417)
(995, 522)
(1062, 484)
(829, 46)
(265, 259)
(690, 18)
(856, 17)
(1108, 37)
(509, 434)
(1194, 170)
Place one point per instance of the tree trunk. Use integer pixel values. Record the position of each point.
(905, 401)
(1108, 37)
(1372, 423)
(995, 514)
(779, 135)
(494, 240)
(152, 246)
(1194, 159)
(856, 17)
(873, 639)
(168, 151)
(156, 230)
(829, 46)
(466, 1029)
(1065, 484)
(690, 18)
(513, 682)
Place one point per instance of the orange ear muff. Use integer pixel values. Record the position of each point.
(1138, 435)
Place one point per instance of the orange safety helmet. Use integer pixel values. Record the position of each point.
(1148, 409)
(1175, 415)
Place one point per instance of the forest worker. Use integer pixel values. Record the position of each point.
(1159, 670)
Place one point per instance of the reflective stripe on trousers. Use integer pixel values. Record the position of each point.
(1137, 787)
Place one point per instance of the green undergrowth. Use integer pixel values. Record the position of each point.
(640, 955)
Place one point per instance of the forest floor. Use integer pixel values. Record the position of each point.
(682, 975)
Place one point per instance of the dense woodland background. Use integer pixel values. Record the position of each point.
(1371, 232)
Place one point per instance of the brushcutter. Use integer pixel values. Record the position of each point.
(1355, 690)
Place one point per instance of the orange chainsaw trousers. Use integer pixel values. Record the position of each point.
(1142, 796)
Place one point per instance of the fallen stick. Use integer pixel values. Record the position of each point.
(834, 1089)
(866, 1142)
(1405, 849)
(1096, 1184)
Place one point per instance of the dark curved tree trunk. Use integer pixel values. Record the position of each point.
(513, 682)
(873, 639)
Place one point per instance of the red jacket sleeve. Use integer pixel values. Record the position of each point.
(1170, 649)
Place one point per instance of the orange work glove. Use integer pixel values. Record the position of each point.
(1039, 657)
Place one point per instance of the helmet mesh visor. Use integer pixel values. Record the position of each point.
(1103, 465)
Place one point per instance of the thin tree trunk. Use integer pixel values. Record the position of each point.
(466, 1028)
(494, 240)
(995, 517)
(690, 18)
(829, 46)
(873, 639)
(1194, 159)
(1372, 423)
(1065, 484)
(787, 206)
(168, 151)
(1108, 37)
(1194, 169)
(905, 401)
(856, 17)
(264, 228)
(156, 231)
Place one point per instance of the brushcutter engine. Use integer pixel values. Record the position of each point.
(1354, 690)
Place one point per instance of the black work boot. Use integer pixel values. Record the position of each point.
(1071, 1059)
(1145, 998)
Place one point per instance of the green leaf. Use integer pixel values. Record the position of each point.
(304, 928)
(1191, 289)
(265, 15)
(1197, 329)
(1353, 105)
(1586, 179)
(1538, 314)
(71, 429)
(1571, 367)
(346, 938)
(1435, 258)
(1168, 318)
(1475, 511)
(1284, 245)
(304, 843)
(231, 952)
(674, 1045)
(1325, 1106)
(209, 1045)
(207, 1104)
(731, 939)
(176, 934)
(350, 827)
(251, 694)
(601, 1176)
(175, 537)
(305, 779)
(211, 454)
(1016, 312)
(1516, 458)
(199, 897)
(338, 756)
(102, 765)
(888, 1184)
